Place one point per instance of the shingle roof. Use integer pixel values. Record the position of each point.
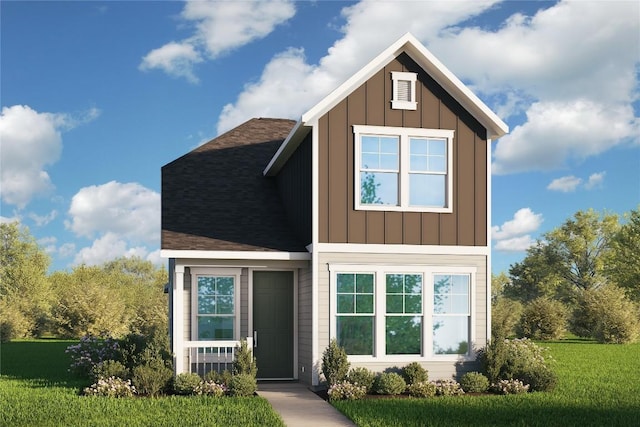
(216, 198)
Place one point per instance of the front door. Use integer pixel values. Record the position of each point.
(273, 323)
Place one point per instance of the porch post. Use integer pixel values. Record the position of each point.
(178, 319)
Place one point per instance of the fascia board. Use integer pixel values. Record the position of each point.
(285, 150)
(235, 255)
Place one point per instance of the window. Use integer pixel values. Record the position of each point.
(403, 169)
(214, 306)
(451, 313)
(355, 312)
(403, 91)
(402, 313)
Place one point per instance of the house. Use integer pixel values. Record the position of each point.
(367, 220)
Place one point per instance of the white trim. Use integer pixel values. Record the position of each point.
(242, 255)
(400, 249)
(288, 146)
(315, 197)
(396, 103)
(178, 318)
(489, 260)
(404, 135)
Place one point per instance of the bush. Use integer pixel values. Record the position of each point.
(389, 383)
(335, 365)
(448, 388)
(543, 319)
(210, 388)
(509, 359)
(505, 315)
(111, 387)
(89, 352)
(414, 373)
(13, 324)
(136, 349)
(245, 362)
(539, 378)
(152, 378)
(511, 386)
(186, 383)
(421, 389)
(362, 377)
(222, 378)
(474, 382)
(109, 368)
(242, 385)
(346, 390)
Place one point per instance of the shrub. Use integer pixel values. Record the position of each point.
(242, 385)
(13, 324)
(543, 319)
(421, 389)
(89, 352)
(152, 378)
(511, 386)
(111, 387)
(505, 315)
(346, 390)
(509, 359)
(474, 382)
(222, 378)
(362, 377)
(335, 365)
(245, 362)
(539, 378)
(414, 373)
(210, 388)
(389, 383)
(186, 383)
(109, 368)
(448, 388)
(136, 349)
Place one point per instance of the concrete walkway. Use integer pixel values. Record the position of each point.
(300, 407)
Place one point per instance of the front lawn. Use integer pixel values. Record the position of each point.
(598, 385)
(36, 390)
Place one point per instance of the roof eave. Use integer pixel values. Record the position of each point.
(286, 149)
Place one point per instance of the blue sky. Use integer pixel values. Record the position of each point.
(97, 96)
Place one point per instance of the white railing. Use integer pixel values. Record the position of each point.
(205, 356)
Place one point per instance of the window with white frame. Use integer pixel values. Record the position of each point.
(403, 90)
(214, 304)
(391, 312)
(403, 169)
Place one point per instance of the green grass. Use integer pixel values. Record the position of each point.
(36, 390)
(598, 385)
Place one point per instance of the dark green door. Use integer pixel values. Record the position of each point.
(273, 323)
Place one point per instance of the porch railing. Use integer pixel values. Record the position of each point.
(205, 356)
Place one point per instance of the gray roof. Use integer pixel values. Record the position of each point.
(216, 198)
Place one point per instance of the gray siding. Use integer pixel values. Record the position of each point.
(305, 332)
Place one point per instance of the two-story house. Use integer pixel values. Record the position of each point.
(367, 220)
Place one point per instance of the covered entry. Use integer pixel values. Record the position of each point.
(273, 327)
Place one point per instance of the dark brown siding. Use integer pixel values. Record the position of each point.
(294, 182)
(370, 105)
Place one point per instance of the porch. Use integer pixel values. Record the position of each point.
(201, 357)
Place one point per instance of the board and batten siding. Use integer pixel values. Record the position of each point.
(370, 104)
(305, 325)
(437, 369)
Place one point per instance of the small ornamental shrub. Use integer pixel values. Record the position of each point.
(474, 382)
(152, 378)
(543, 319)
(362, 377)
(539, 378)
(223, 377)
(109, 368)
(186, 383)
(111, 387)
(210, 388)
(414, 373)
(448, 388)
(346, 390)
(510, 387)
(422, 389)
(242, 385)
(245, 362)
(335, 365)
(389, 383)
(89, 352)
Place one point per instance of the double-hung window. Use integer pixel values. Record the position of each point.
(403, 324)
(355, 312)
(451, 313)
(403, 169)
(215, 296)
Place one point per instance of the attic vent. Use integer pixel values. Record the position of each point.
(404, 91)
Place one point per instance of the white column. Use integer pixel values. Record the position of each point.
(178, 319)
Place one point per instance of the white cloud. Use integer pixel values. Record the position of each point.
(595, 180)
(566, 184)
(515, 244)
(219, 28)
(107, 248)
(514, 235)
(126, 210)
(41, 220)
(15, 218)
(67, 250)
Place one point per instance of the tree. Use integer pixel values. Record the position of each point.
(623, 266)
(536, 276)
(25, 292)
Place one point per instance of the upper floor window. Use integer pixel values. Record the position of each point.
(404, 90)
(403, 169)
